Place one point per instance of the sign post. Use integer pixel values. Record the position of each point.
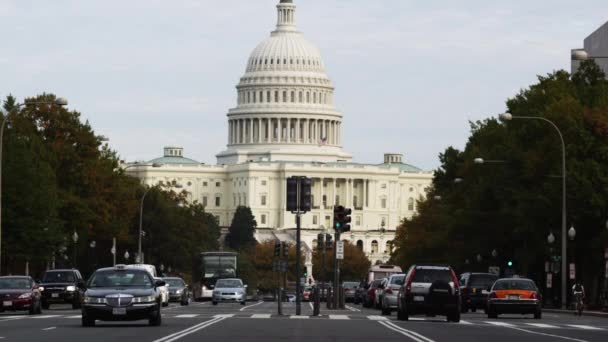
(572, 271)
(340, 250)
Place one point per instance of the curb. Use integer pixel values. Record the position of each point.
(585, 313)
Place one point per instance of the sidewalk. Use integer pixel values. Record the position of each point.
(585, 312)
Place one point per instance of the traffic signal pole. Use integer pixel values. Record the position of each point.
(336, 270)
(298, 256)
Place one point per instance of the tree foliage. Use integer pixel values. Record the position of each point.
(242, 229)
(354, 267)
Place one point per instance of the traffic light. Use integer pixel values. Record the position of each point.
(305, 194)
(292, 194)
(277, 248)
(285, 249)
(328, 243)
(320, 239)
(342, 219)
(346, 220)
(510, 263)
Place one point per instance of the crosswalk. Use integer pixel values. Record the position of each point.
(336, 317)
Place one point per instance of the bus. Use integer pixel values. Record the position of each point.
(382, 271)
(215, 265)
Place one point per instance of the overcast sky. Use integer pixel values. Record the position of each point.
(409, 74)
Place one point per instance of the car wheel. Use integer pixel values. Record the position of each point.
(243, 303)
(39, 308)
(386, 311)
(473, 309)
(32, 310)
(45, 305)
(156, 320)
(165, 304)
(454, 316)
(88, 321)
(402, 314)
(464, 309)
(214, 303)
(492, 313)
(538, 314)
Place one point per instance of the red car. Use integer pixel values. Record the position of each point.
(19, 293)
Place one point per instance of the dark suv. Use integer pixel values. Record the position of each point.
(60, 287)
(430, 290)
(474, 290)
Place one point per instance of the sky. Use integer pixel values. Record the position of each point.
(409, 74)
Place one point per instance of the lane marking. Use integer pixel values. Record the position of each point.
(299, 317)
(584, 327)
(465, 322)
(311, 306)
(341, 317)
(352, 309)
(252, 305)
(501, 324)
(261, 316)
(75, 316)
(188, 331)
(417, 319)
(377, 318)
(46, 316)
(186, 316)
(543, 325)
(545, 334)
(411, 334)
(224, 316)
(49, 328)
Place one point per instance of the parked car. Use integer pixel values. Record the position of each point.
(164, 292)
(121, 294)
(229, 290)
(360, 292)
(350, 287)
(60, 287)
(390, 292)
(430, 290)
(178, 290)
(379, 293)
(514, 295)
(20, 293)
(474, 290)
(370, 294)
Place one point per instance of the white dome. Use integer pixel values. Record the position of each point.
(286, 51)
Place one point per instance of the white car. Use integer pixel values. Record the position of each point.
(164, 293)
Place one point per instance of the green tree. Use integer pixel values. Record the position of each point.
(242, 229)
(353, 267)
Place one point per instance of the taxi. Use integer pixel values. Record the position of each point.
(514, 296)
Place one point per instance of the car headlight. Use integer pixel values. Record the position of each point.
(94, 300)
(145, 299)
(26, 295)
(40, 288)
(71, 288)
(178, 291)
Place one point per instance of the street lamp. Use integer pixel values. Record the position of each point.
(509, 117)
(494, 253)
(458, 180)
(571, 233)
(551, 238)
(126, 256)
(481, 161)
(60, 101)
(75, 239)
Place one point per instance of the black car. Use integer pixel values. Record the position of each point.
(60, 287)
(19, 293)
(474, 290)
(430, 290)
(121, 294)
(178, 290)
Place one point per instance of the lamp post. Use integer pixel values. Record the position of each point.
(126, 255)
(60, 101)
(481, 161)
(93, 244)
(75, 239)
(509, 117)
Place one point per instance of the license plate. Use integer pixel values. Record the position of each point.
(418, 298)
(7, 303)
(513, 297)
(54, 295)
(119, 311)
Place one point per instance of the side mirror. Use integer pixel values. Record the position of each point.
(159, 283)
(245, 286)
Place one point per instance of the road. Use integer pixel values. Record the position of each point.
(258, 322)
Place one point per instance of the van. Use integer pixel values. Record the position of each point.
(150, 268)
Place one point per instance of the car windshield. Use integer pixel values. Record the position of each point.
(482, 280)
(175, 282)
(122, 278)
(350, 285)
(58, 277)
(376, 283)
(15, 283)
(397, 280)
(515, 285)
(426, 275)
(228, 283)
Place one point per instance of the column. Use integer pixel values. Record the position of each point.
(238, 131)
(335, 132)
(364, 199)
(351, 186)
(297, 131)
(251, 130)
(280, 134)
(322, 218)
(269, 127)
(289, 137)
(229, 132)
(306, 131)
(334, 191)
(259, 130)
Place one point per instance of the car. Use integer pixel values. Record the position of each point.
(431, 290)
(60, 286)
(120, 293)
(20, 293)
(390, 292)
(369, 297)
(307, 294)
(379, 293)
(229, 290)
(178, 290)
(514, 295)
(147, 267)
(164, 292)
(360, 292)
(350, 287)
(474, 290)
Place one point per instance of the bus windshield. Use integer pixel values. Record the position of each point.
(218, 266)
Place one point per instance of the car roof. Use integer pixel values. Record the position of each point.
(172, 278)
(432, 267)
(513, 278)
(397, 275)
(16, 276)
(61, 270)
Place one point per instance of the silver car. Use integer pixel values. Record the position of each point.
(229, 290)
(390, 292)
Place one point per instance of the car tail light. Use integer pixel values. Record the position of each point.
(408, 286)
(533, 295)
(493, 295)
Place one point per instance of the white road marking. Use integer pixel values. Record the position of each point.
(351, 308)
(49, 328)
(501, 324)
(248, 306)
(409, 333)
(585, 327)
(417, 319)
(377, 318)
(224, 316)
(465, 322)
(341, 317)
(545, 334)
(299, 317)
(192, 329)
(75, 316)
(46, 316)
(261, 316)
(311, 306)
(543, 325)
(186, 316)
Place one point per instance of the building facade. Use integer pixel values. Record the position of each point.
(285, 124)
(595, 48)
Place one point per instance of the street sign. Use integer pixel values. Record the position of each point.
(549, 280)
(340, 250)
(494, 270)
(572, 271)
(303, 281)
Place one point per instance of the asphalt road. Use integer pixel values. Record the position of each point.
(258, 322)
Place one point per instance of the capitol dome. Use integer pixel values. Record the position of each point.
(284, 102)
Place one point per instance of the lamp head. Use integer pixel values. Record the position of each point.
(505, 117)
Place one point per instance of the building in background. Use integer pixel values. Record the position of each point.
(595, 47)
(285, 124)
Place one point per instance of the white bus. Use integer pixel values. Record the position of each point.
(382, 271)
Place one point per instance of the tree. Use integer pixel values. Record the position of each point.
(264, 256)
(242, 229)
(353, 267)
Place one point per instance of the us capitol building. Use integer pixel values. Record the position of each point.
(285, 124)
